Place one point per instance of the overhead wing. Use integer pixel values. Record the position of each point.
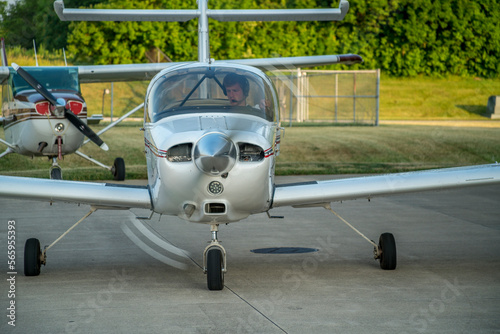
(126, 72)
(139, 72)
(269, 64)
(319, 192)
(96, 194)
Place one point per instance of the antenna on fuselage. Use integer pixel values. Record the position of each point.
(4, 54)
(36, 57)
(203, 14)
(65, 61)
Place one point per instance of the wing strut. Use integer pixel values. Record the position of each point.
(385, 251)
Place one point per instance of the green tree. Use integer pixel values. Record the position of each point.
(127, 42)
(402, 37)
(29, 20)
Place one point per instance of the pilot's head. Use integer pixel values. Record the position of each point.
(236, 87)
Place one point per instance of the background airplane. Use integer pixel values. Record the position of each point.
(210, 161)
(35, 126)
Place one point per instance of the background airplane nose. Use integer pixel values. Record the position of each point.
(215, 154)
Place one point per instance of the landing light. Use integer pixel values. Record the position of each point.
(42, 108)
(75, 106)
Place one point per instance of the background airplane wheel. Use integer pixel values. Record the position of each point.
(119, 169)
(32, 254)
(388, 258)
(215, 275)
(56, 173)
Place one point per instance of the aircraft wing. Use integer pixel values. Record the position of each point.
(320, 192)
(146, 71)
(101, 195)
(284, 63)
(125, 72)
(139, 72)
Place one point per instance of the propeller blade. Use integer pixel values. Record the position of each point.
(72, 118)
(85, 129)
(35, 84)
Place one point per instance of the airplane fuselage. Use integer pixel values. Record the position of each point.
(26, 129)
(209, 162)
(31, 127)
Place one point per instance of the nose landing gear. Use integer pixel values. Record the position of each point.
(214, 261)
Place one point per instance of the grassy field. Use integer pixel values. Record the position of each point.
(304, 150)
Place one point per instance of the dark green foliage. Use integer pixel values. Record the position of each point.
(402, 37)
(29, 20)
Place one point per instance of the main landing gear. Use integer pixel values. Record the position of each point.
(118, 168)
(34, 257)
(214, 261)
(384, 251)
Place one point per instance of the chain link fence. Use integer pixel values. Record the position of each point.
(328, 96)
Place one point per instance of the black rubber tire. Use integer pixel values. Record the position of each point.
(388, 258)
(56, 173)
(119, 169)
(215, 275)
(32, 254)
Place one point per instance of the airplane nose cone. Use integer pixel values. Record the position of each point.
(215, 154)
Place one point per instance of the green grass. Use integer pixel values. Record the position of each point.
(436, 98)
(304, 150)
(391, 148)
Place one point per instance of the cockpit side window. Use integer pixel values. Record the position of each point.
(211, 89)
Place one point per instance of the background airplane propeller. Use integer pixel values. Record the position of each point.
(72, 118)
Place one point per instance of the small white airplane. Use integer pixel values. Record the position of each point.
(212, 135)
(36, 125)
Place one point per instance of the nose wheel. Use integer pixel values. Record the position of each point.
(214, 262)
(55, 170)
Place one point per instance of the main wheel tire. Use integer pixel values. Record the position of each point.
(119, 169)
(56, 173)
(32, 253)
(388, 258)
(215, 273)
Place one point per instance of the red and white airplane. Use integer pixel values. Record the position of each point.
(35, 126)
(212, 136)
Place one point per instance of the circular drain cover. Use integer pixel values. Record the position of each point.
(284, 250)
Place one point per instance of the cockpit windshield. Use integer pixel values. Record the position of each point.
(65, 78)
(211, 89)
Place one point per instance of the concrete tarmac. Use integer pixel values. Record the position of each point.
(114, 274)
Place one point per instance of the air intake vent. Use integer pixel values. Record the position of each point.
(250, 152)
(215, 208)
(180, 153)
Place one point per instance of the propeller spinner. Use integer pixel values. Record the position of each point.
(60, 108)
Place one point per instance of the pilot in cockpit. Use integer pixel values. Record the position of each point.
(237, 88)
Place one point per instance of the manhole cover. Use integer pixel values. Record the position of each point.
(284, 250)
